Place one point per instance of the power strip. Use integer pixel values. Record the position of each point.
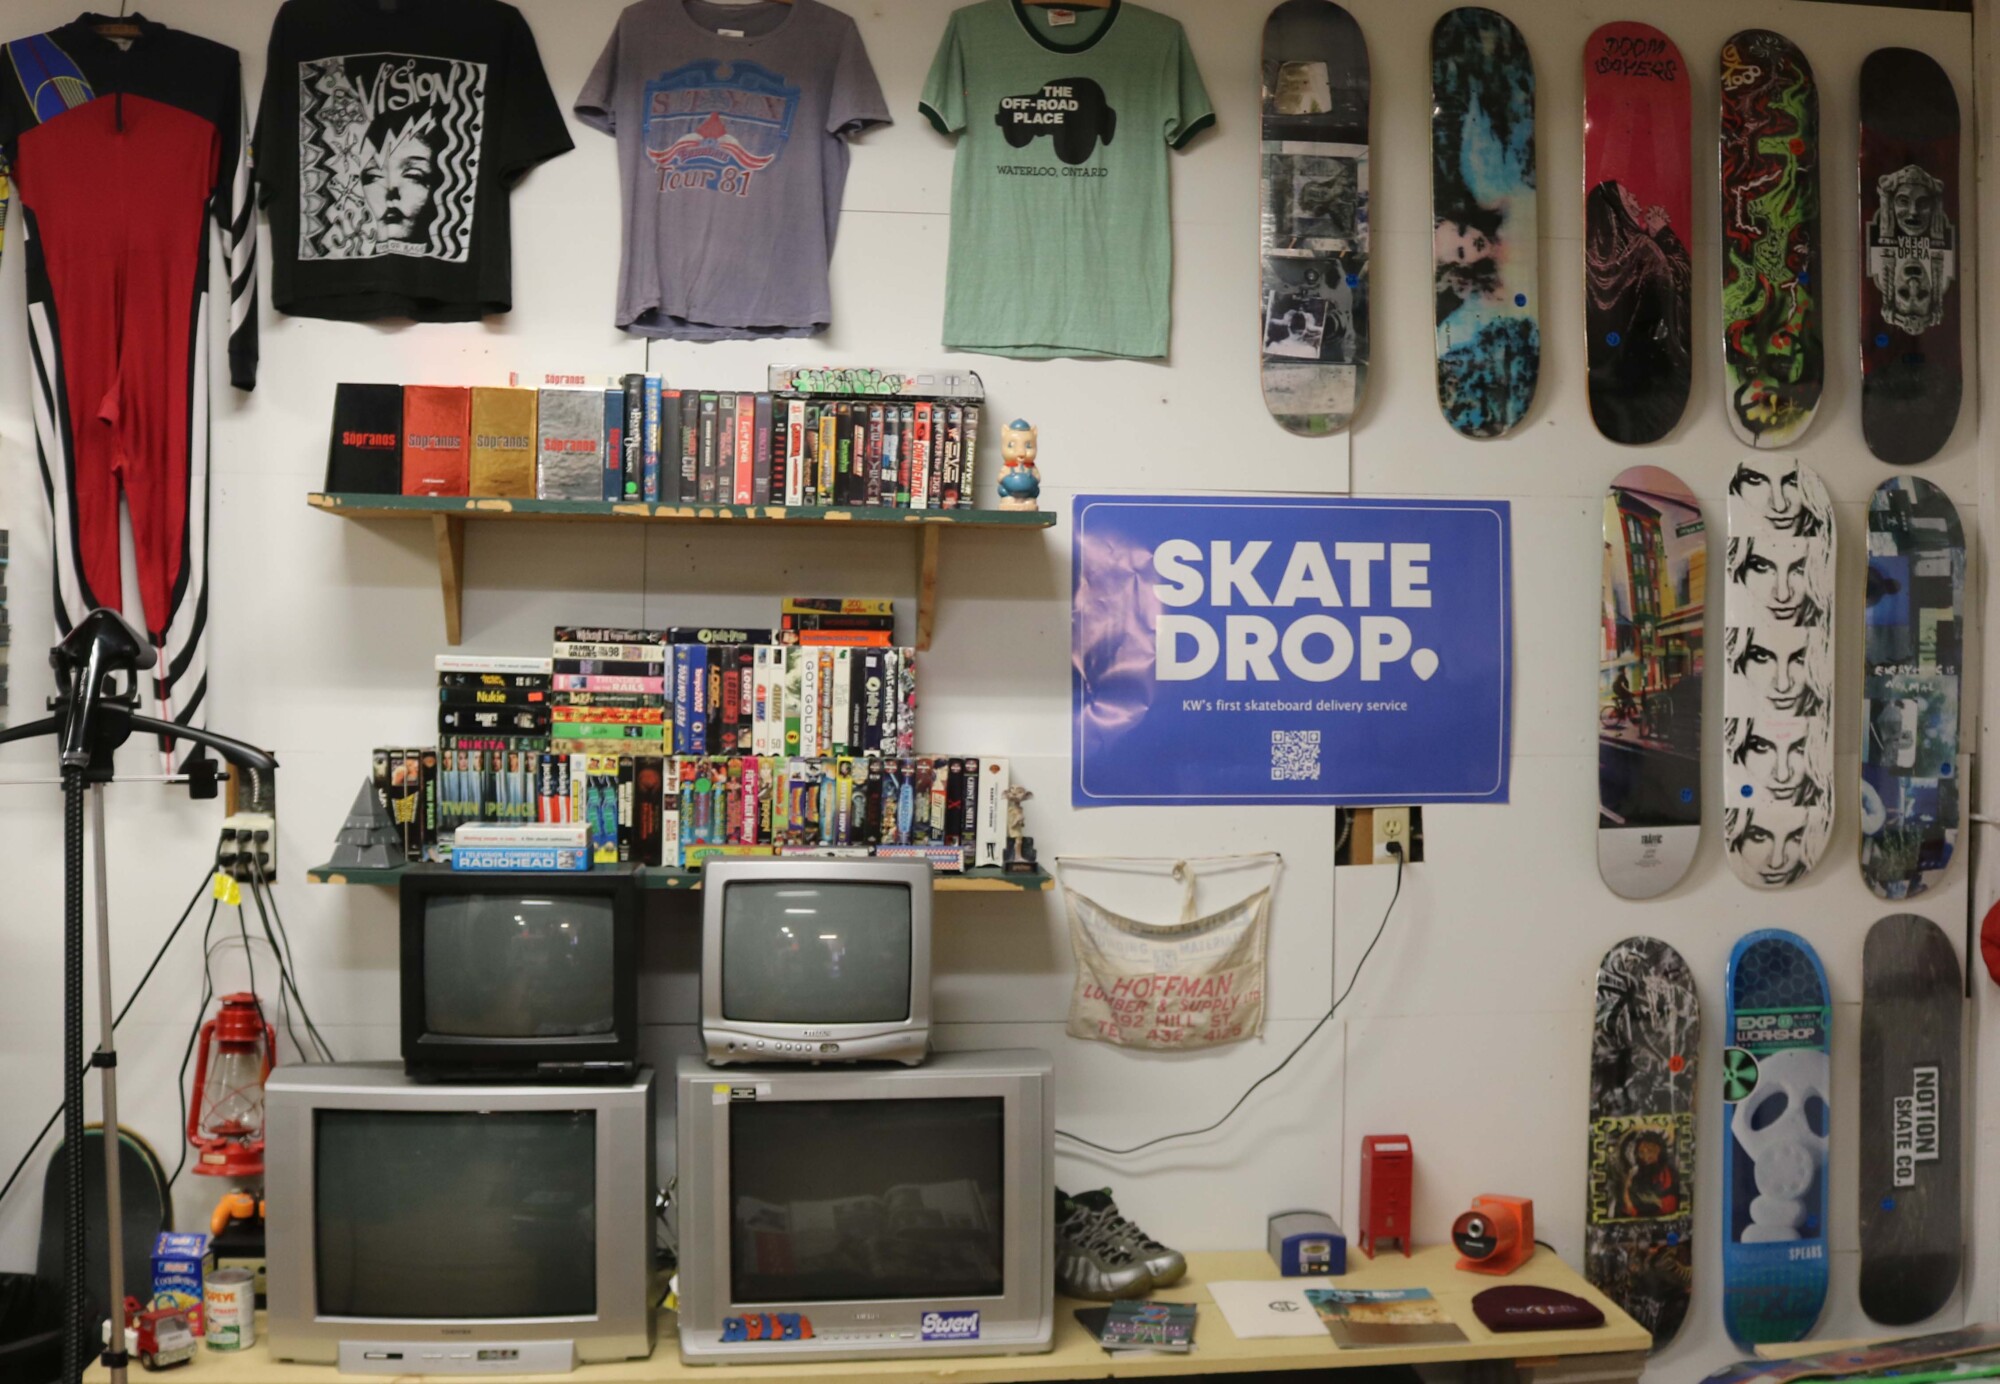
(249, 838)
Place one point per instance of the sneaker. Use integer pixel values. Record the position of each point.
(1090, 1264)
(1167, 1266)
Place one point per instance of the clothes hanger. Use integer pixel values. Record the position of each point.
(118, 28)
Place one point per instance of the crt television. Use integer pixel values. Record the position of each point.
(520, 975)
(467, 1229)
(816, 960)
(866, 1212)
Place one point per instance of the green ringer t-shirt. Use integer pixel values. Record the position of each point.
(1060, 239)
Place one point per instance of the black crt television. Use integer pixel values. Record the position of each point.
(520, 976)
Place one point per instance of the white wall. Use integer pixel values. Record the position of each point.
(1469, 1030)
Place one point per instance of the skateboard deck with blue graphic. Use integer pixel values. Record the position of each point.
(1483, 222)
(1778, 689)
(1912, 362)
(1649, 681)
(1912, 1034)
(1776, 1090)
(1909, 747)
(1314, 218)
(1774, 363)
(1639, 1223)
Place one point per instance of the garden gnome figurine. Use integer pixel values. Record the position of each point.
(1020, 482)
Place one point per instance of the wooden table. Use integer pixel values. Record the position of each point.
(1614, 1351)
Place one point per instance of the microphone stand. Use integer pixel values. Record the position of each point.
(92, 714)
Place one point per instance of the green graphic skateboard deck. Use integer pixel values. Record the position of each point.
(1911, 363)
(1773, 360)
(1483, 222)
(1775, 1094)
(1777, 693)
(1314, 221)
(1638, 1240)
(1909, 748)
(1649, 680)
(1912, 1031)
(1637, 223)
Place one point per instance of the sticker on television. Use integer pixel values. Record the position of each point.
(951, 1326)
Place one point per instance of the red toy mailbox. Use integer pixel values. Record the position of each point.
(1388, 1168)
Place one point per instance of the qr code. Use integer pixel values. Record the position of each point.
(1294, 755)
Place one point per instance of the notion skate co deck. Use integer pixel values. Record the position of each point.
(1773, 360)
(1649, 681)
(1775, 1094)
(1314, 216)
(1638, 1240)
(1777, 693)
(1909, 746)
(1637, 219)
(1912, 1031)
(1911, 371)
(1483, 222)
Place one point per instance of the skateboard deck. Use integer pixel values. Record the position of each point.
(1637, 218)
(1909, 750)
(1911, 370)
(1638, 1240)
(1777, 692)
(1314, 218)
(1775, 1094)
(1912, 1032)
(1649, 681)
(1861, 1360)
(1773, 359)
(1484, 234)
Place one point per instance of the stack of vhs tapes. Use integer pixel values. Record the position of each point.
(493, 727)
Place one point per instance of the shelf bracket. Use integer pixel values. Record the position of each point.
(929, 536)
(450, 532)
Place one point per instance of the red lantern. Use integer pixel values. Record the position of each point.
(226, 1118)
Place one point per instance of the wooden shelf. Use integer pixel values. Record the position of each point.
(982, 881)
(447, 515)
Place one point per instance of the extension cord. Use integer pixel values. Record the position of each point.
(249, 838)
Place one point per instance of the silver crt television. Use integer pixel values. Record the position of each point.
(850, 1213)
(816, 960)
(476, 1228)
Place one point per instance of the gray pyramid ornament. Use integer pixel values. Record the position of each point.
(369, 838)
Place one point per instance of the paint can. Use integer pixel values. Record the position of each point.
(229, 1300)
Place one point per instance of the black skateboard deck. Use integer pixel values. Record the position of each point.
(1314, 216)
(1912, 1034)
(1911, 362)
(1639, 1221)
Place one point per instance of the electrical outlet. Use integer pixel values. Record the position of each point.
(241, 844)
(1392, 824)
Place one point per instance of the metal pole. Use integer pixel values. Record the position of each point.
(77, 1328)
(107, 1066)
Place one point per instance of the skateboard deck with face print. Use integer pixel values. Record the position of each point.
(1776, 1087)
(1483, 222)
(1638, 1237)
(1777, 694)
(1649, 681)
(1909, 744)
(1773, 360)
(1637, 225)
(1912, 1032)
(1314, 218)
(1911, 364)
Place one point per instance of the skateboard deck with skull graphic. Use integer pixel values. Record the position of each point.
(1909, 746)
(1912, 1027)
(1649, 679)
(1314, 222)
(1483, 222)
(1773, 361)
(1910, 355)
(1638, 1237)
(1638, 223)
(1777, 691)
(1775, 1092)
